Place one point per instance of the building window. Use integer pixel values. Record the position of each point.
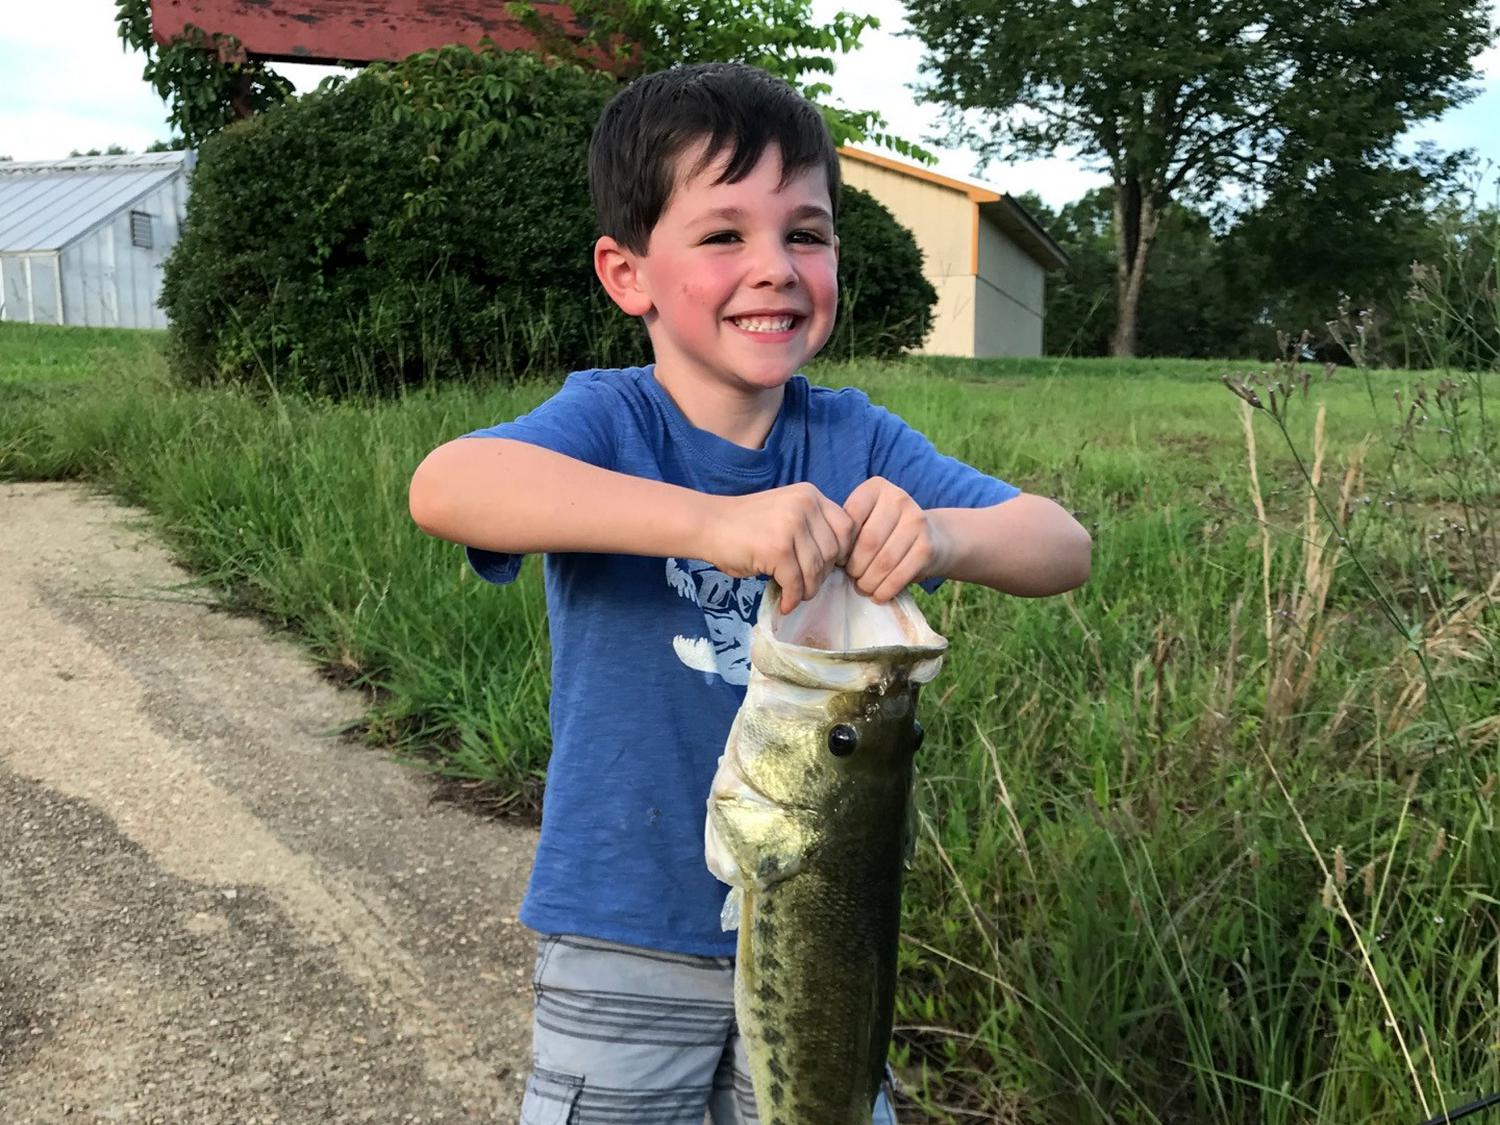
(140, 229)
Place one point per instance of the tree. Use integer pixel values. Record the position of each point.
(1194, 304)
(1346, 230)
(777, 35)
(1178, 97)
(209, 83)
(205, 79)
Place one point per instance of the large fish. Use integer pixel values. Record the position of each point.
(809, 821)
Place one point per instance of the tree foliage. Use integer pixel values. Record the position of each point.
(1176, 98)
(208, 83)
(423, 220)
(1411, 284)
(204, 78)
(1198, 302)
(431, 220)
(779, 36)
(885, 300)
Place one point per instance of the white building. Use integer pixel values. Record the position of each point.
(82, 241)
(986, 257)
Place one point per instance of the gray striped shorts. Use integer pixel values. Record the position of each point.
(627, 1036)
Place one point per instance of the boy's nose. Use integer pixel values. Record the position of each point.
(774, 267)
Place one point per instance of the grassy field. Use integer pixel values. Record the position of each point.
(1211, 839)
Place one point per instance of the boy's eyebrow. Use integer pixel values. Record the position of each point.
(733, 214)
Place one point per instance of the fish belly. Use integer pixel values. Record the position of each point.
(815, 985)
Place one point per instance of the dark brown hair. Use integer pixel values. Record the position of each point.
(647, 126)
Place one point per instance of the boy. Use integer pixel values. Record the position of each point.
(662, 496)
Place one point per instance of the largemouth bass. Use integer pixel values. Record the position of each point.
(809, 821)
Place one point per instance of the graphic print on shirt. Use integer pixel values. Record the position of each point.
(728, 606)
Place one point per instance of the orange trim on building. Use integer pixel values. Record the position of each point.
(976, 194)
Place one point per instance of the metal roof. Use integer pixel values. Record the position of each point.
(46, 204)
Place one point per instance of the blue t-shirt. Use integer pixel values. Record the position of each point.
(650, 656)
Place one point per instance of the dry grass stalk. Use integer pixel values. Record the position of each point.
(1297, 625)
(1334, 900)
(984, 928)
(1005, 801)
(1213, 725)
(1458, 635)
(1247, 420)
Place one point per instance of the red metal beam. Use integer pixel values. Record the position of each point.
(352, 31)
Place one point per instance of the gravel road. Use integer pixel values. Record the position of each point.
(213, 908)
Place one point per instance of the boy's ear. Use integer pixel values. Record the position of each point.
(618, 273)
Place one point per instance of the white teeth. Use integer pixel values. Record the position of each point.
(764, 323)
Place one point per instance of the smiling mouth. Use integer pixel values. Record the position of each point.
(766, 324)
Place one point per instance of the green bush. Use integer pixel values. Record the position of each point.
(421, 221)
(885, 302)
(430, 219)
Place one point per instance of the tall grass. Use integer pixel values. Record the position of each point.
(1197, 843)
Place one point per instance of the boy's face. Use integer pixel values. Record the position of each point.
(741, 279)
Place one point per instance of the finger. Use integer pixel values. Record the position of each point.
(845, 531)
(862, 500)
(811, 560)
(825, 532)
(874, 533)
(788, 575)
(888, 558)
(905, 572)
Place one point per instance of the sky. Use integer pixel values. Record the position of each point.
(67, 83)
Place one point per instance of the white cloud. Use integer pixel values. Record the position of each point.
(70, 83)
(34, 133)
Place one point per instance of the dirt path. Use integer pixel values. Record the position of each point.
(213, 908)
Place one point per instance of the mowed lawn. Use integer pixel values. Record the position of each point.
(1211, 839)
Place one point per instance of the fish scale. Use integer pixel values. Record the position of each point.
(809, 823)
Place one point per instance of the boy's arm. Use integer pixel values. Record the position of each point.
(1028, 545)
(508, 496)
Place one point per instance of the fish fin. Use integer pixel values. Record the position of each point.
(764, 843)
(729, 917)
(717, 853)
(909, 830)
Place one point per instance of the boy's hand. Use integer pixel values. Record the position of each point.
(795, 534)
(897, 542)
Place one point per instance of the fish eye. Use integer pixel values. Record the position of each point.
(842, 740)
(917, 735)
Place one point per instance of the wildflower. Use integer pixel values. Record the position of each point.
(1437, 849)
(1242, 390)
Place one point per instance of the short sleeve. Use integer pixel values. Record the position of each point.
(905, 457)
(578, 422)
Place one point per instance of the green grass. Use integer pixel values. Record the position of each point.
(38, 353)
(1116, 915)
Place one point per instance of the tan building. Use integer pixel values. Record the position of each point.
(986, 257)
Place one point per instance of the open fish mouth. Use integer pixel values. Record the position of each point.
(828, 642)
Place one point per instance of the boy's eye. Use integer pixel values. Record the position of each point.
(805, 237)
